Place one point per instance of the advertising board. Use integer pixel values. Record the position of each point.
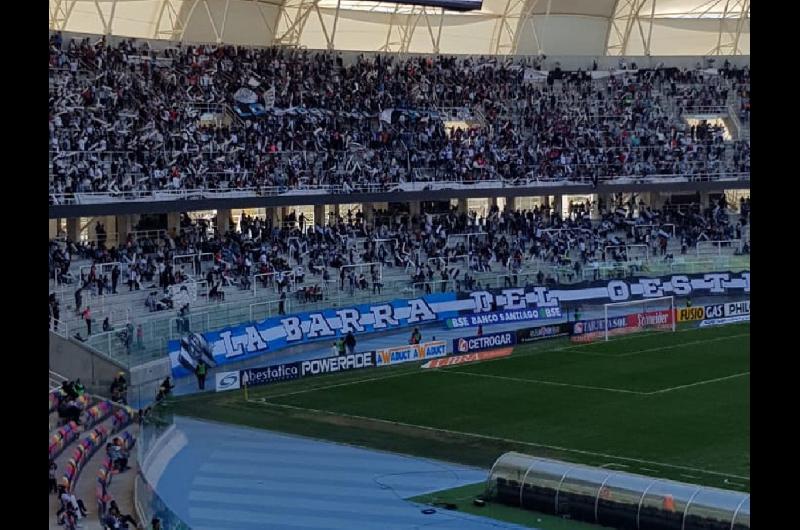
(483, 355)
(501, 317)
(252, 339)
(340, 363)
(484, 342)
(410, 352)
(542, 332)
(590, 330)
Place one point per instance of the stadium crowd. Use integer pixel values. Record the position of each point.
(301, 260)
(130, 118)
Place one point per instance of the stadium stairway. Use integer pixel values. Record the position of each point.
(120, 486)
(113, 423)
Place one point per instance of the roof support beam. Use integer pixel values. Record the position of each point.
(727, 38)
(647, 50)
(217, 36)
(722, 25)
(625, 17)
(401, 29)
(385, 47)
(328, 39)
(335, 24)
(294, 13)
(439, 33)
(224, 20)
(510, 24)
(100, 14)
(526, 20)
(188, 19)
(269, 27)
(60, 14)
(744, 16)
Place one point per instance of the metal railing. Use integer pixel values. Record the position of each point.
(150, 343)
(708, 109)
(376, 187)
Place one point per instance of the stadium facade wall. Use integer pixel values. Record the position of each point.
(73, 360)
(153, 206)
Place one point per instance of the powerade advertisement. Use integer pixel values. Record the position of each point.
(237, 343)
(484, 342)
(411, 352)
(500, 317)
(289, 371)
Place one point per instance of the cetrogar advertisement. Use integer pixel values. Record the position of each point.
(484, 342)
(412, 352)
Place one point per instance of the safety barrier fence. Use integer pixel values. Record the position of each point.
(130, 347)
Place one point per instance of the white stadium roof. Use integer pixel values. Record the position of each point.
(553, 27)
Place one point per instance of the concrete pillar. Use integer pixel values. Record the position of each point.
(368, 211)
(319, 215)
(492, 202)
(558, 205)
(124, 227)
(511, 203)
(594, 212)
(273, 215)
(223, 221)
(74, 228)
(463, 206)
(53, 228)
(704, 198)
(414, 210)
(606, 201)
(657, 199)
(173, 224)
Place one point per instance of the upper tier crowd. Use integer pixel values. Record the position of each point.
(130, 118)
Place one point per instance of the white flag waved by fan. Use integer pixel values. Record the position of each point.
(245, 95)
(269, 98)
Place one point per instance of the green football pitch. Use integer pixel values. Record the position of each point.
(673, 405)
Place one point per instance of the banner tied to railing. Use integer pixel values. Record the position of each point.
(237, 343)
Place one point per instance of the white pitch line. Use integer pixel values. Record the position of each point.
(698, 383)
(702, 341)
(632, 336)
(542, 382)
(506, 440)
(661, 348)
(535, 352)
